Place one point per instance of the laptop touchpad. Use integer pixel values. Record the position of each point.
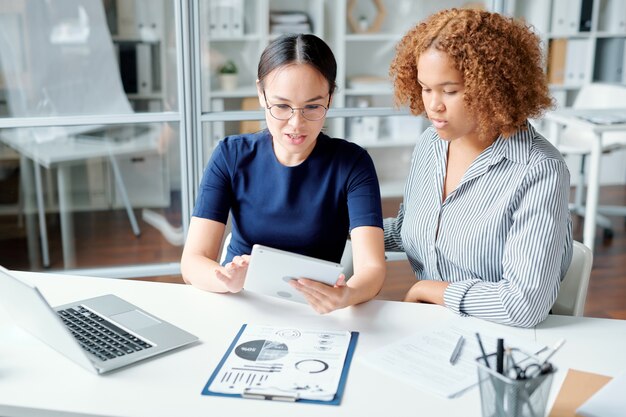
(134, 320)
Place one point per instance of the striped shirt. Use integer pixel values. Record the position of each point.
(505, 234)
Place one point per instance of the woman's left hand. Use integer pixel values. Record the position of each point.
(323, 298)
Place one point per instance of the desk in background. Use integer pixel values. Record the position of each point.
(63, 152)
(35, 380)
(571, 117)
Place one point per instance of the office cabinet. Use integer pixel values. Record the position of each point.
(584, 41)
(234, 34)
(363, 35)
(138, 33)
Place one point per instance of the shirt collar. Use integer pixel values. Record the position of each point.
(515, 148)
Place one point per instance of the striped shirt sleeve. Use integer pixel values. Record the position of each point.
(392, 227)
(532, 263)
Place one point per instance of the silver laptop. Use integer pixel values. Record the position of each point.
(100, 334)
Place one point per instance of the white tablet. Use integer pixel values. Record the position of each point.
(270, 271)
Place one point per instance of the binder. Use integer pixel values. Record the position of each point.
(566, 17)
(213, 20)
(556, 61)
(533, 12)
(224, 17)
(613, 17)
(237, 18)
(586, 9)
(278, 394)
(608, 65)
(144, 69)
(575, 62)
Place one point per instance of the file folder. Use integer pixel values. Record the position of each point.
(272, 392)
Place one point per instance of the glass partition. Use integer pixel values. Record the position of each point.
(109, 196)
(51, 53)
(90, 168)
(110, 109)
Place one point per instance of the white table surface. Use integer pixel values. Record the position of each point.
(35, 380)
(76, 149)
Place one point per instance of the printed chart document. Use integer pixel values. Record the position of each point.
(423, 359)
(289, 364)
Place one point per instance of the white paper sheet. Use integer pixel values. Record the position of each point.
(609, 401)
(423, 359)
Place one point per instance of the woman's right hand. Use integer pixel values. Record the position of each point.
(233, 275)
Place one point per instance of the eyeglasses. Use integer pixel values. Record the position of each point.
(530, 371)
(311, 112)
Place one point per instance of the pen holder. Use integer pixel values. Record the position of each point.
(506, 395)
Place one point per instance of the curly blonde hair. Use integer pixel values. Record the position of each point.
(499, 58)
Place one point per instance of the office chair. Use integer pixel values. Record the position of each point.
(224, 248)
(573, 291)
(576, 142)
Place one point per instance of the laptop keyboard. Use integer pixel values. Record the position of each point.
(98, 336)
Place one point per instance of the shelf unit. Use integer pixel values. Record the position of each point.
(364, 57)
(243, 45)
(138, 32)
(584, 41)
(244, 48)
(362, 75)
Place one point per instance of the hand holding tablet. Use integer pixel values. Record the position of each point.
(270, 271)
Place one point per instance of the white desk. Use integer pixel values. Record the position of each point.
(35, 380)
(61, 153)
(570, 117)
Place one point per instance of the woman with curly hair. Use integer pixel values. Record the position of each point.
(485, 220)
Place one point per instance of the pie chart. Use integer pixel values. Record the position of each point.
(261, 350)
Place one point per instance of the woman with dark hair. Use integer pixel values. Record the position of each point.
(290, 186)
(485, 220)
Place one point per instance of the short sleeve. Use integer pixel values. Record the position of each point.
(364, 204)
(216, 194)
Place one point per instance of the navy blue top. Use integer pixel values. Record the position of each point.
(307, 209)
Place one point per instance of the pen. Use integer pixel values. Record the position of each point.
(511, 366)
(457, 350)
(555, 349)
(482, 350)
(500, 356)
(545, 366)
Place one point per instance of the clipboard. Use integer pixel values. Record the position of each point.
(276, 393)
